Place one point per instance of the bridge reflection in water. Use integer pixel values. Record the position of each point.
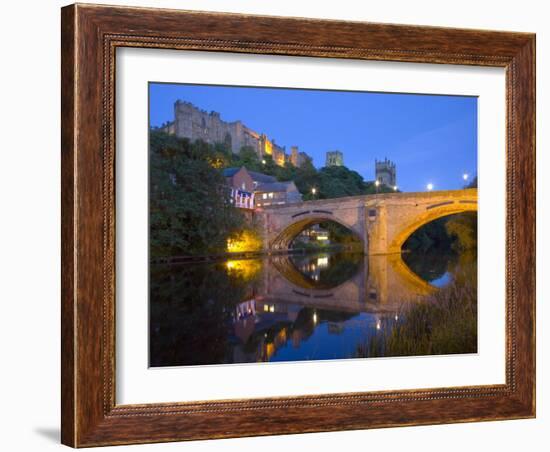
(279, 308)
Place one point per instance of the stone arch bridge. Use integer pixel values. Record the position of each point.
(383, 222)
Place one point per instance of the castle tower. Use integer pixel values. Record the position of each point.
(334, 158)
(385, 172)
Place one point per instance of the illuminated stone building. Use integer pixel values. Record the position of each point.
(385, 172)
(334, 158)
(196, 124)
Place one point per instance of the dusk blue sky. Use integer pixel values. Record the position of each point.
(431, 138)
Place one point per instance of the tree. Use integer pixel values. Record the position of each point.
(190, 208)
(287, 172)
(340, 234)
(248, 157)
(268, 165)
(464, 228)
(472, 184)
(334, 182)
(245, 240)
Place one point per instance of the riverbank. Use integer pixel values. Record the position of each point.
(250, 254)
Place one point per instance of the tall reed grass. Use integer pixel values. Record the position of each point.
(444, 323)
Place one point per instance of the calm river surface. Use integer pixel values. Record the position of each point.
(311, 307)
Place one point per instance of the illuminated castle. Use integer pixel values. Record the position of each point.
(194, 123)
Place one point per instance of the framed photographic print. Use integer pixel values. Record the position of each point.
(281, 225)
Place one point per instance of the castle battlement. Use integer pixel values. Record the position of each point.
(385, 172)
(334, 158)
(198, 124)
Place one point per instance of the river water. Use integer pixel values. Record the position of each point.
(312, 307)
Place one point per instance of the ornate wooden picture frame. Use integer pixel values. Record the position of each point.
(90, 37)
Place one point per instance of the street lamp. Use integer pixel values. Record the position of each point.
(313, 191)
(377, 182)
(395, 188)
(430, 186)
(465, 176)
(263, 161)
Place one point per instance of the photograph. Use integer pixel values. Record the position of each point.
(292, 224)
(266, 224)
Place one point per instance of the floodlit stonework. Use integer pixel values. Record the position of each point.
(196, 124)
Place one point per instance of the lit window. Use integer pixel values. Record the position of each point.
(271, 195)
(243, 186)
(264, 196)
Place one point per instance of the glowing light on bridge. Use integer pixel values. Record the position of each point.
(430, 186)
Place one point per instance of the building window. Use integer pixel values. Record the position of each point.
(271, 195)
(243, 186)
(264, 195)
(372, 212)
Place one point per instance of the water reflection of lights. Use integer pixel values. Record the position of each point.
(246, 309)
(378, 324)
(322, 262)
(246, 268)
(314, 317)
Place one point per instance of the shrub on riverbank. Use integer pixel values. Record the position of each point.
(446, 323)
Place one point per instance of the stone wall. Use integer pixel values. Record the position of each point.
(196, 124)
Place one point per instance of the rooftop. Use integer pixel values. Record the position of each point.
(257, 177)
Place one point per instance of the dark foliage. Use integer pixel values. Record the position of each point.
(189, 205)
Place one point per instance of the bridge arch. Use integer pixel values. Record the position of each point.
(283, 240)
(431, 213)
